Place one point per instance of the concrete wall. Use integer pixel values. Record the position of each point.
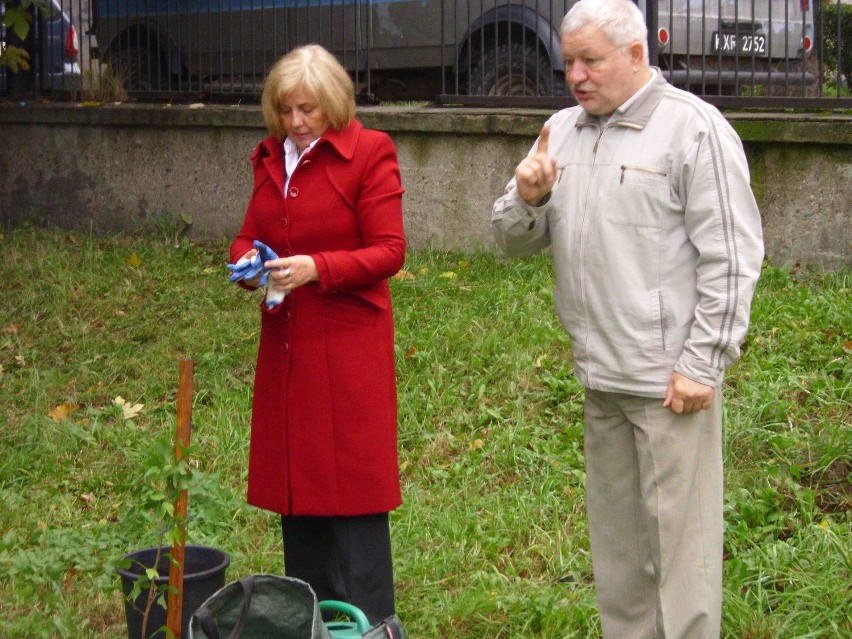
(119, 168)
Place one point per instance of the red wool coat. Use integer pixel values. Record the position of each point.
(324, 417)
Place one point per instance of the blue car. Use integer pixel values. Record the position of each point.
(57, 65)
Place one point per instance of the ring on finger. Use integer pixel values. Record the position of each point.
(287, 272)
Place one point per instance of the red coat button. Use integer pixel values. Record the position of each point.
(285, 347)
(294, 192)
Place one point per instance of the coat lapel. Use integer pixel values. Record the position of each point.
(272, 156)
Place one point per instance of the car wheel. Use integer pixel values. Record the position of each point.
(515, 70)
(139, 69)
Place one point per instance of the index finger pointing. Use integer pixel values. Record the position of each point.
(544, 139)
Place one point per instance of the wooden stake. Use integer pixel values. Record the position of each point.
(174, 599)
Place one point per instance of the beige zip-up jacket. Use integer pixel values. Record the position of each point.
(656, 240)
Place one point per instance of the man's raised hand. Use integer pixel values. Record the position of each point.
(536, 174)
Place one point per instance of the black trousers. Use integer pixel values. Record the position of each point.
(343, 558)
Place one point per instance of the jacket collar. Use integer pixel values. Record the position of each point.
(638, 113)
(271, 152)
(343, 142)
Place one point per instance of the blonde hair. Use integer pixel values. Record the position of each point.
(317, 72)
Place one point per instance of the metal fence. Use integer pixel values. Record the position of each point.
(483, 52)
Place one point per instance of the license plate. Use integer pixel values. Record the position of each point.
(742, 43)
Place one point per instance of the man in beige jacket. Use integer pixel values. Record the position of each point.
(642, 191)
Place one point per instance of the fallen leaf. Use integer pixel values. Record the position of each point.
(12, 328)
(847, 345)
(404, 275)
(410, 353)
(88, 498)
(128, 410)
(133, 260)
(463, 264)
(450, 275)
(1, 369)
(196, 105)
(423, 270)
(69, 577)
(20, 361)
(62, 411)
(90, 103)
(210, 269)
(476, 444)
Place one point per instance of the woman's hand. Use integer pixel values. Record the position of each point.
(289, 273)
(255, 281)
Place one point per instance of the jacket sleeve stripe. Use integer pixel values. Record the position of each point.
(724, 336)
(733, 265)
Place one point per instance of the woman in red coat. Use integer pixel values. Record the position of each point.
(327, 200)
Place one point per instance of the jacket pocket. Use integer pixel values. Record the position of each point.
(349, 309)
(640, 172)
(638, 196)
(660, 321)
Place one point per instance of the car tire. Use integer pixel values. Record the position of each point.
(139, 69)
(515, 70)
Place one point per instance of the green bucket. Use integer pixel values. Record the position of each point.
(354, 629)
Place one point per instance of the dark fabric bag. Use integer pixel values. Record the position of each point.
(260, 607)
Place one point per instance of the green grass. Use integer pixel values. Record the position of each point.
(491, 540)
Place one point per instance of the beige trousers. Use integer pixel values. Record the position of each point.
(654, 502)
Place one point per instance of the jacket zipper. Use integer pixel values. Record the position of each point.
(582, 247)
(644, 169)
(598, 141)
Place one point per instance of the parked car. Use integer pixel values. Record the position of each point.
(502, 47)
(57, 64)
(731, 43)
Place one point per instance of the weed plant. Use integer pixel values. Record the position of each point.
(491, 540)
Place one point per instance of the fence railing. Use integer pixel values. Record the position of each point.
(481, 52)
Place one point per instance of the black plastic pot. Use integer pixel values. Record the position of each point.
(204, 574)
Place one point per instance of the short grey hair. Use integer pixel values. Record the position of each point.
(620, 20)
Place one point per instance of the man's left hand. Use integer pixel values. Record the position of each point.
(687, 396)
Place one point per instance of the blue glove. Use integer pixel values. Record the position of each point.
(265, 254)
(247, 269)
